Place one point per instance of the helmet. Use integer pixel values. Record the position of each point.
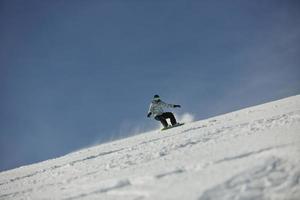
(156, 97)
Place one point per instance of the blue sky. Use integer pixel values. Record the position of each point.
(77, 72)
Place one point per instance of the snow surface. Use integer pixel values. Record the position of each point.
(253, 153)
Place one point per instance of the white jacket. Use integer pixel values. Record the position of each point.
(156, 108)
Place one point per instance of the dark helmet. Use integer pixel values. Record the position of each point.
(156, 97)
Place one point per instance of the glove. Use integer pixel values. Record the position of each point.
(177, 106)
(149, 114)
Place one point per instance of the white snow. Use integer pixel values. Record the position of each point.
(253, 153)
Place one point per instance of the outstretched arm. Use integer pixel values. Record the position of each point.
(168, 105)
(150, 111)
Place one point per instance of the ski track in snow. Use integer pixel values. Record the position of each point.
(144, 166)
(271, 178)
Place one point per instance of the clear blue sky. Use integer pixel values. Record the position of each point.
(73, 72)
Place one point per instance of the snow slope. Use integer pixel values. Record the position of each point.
(253, 153)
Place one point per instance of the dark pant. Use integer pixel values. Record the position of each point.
(162, 118)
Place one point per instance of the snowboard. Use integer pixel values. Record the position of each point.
(169, 127)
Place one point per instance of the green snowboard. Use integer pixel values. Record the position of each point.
(169, 127)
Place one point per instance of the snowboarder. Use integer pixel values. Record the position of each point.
(156, 110)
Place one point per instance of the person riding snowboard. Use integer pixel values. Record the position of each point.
(156, 110)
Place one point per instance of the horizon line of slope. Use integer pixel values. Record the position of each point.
(249, 109)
